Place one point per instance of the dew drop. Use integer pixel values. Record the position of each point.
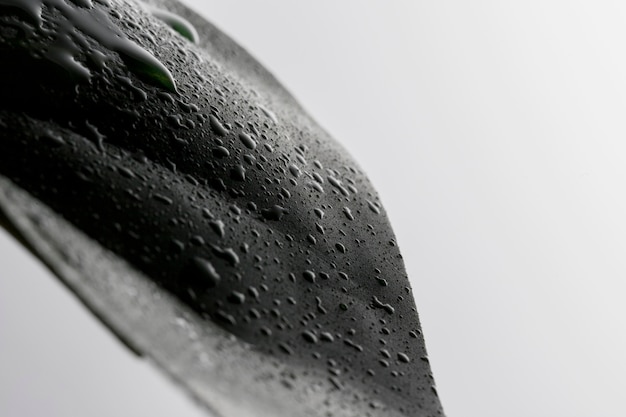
(295, 171)
(163, 199)
(177, 23)
(236, 297)
(199, 273)
(228, 254)
(274, 213)
(309, 276)
(217, 126)
(218, 227)
(373, 206)
(286, 349)
(402, 357)
(247, 141)
(221, 152)
(326, 337)
(270, 114)
(238, 173)
(309, 336)
(379, 304)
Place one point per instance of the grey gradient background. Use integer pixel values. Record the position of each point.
(495, 134)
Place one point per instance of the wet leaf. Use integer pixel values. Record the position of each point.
(213, 226)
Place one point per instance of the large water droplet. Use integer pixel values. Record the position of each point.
(177, 23)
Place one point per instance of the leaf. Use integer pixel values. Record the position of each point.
(216, 229)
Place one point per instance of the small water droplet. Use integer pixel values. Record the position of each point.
(379, 304)
(285, 348)
(247, 140)
(217, 126)
(228, 254)
(274, 213)
(238, 173)
(309, 276)
(236, 297)
(267, 112)
(295, 171)
(402, 357)
(163, 199)
(221, 152)
(200, 273)
(309, 336)
(326, 337)
(218, 227)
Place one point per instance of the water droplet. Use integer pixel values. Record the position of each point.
(295, 171)
(381, 281)
(267, 112)
(126, 172)
(247, 140)
(379, 304)
(274, 213)
(335, 382)
(217, 126)
(197, 240)
(309, 276)
(337, 184)
(320, 308)
(51, 137)
(285, 348)
(225, 317)
(309, 336)
(206, 213)
(254, 293)
(177, 23)
(317, 177)
(373, 206)
(200, 274)
(236, 297)
(218, 227)
(228, 254)
(402, 357)
(221, 152)
(353, 345)
(326, 337)
(238, 173)
(163, 199)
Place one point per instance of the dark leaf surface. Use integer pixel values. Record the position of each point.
(200, 213)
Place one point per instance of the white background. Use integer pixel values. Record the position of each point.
(495, 134)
